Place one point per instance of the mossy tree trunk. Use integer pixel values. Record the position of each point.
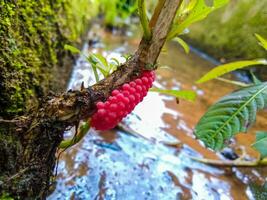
(32, 63)
(30, 135)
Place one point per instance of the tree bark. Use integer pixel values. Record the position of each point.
(38, 135)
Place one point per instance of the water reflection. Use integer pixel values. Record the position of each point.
(131, 167)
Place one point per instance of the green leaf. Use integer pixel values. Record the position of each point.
(112, 68)
(183, 94)
(183, 44)
(127, 56)
(99, 62)
(116, 61)
(83, 130)
(191, 4)
(99, 59)
(198, 11)
(261, 143)
(144, 19)
(93, 63)
(225, 68)
(186, 7)
(262, 41)
(72, 49)
(103, 71)
(232, 114)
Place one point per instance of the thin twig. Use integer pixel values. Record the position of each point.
(156, 13)
(8, 121)
(234, 163)
(17, 174)
(237, 83)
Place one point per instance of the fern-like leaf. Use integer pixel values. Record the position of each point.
(232, 114)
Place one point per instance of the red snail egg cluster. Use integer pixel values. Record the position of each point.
(121, 102)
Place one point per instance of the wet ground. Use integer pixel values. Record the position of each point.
(151, 161)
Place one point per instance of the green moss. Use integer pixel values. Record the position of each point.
(229, 32)
(6, 197)
(32, 36)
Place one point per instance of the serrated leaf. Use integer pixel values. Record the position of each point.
(183, 94)
(232, 114)
(183, 44)
(72, 49)
(261, 143)
(262, 41)
(225, 68)
(198, 11)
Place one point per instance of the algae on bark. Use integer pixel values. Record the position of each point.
(32, 58)
(32, 63)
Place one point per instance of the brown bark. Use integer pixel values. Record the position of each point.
(40, 133)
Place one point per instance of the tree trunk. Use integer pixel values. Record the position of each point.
(28, 143)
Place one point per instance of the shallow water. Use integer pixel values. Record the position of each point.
(152, 162)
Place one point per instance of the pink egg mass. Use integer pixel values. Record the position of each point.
(122, 101)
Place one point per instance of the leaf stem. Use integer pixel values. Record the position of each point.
(234, 163)
(144, 19)
(213, 135)
(237, 83)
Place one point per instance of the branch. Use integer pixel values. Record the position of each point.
(156, 13)
(78, 105)
(161, 23)
(69, 108)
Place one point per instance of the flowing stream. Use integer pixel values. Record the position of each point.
(151, 161)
